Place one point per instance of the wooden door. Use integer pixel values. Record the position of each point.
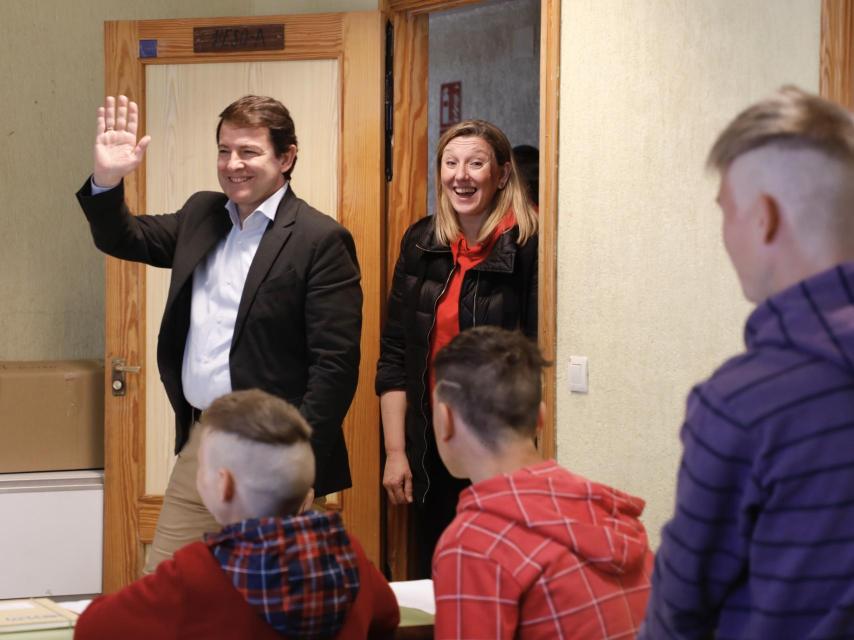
(836, 73)
(329, 73)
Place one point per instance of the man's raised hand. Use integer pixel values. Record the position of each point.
(117, 151)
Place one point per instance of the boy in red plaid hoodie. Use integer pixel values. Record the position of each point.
(271, 572)
(534, 551)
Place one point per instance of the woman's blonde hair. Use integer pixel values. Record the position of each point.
(512, 196)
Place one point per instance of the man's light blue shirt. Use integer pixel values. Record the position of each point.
(217, 288)
(218, 282)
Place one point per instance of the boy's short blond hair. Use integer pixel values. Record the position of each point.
(790, 118)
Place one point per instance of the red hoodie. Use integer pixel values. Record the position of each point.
(542, 553)
(190, 596)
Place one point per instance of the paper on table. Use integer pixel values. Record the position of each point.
(12, 605)
(415, 594)
(33, 614)
(77, 606)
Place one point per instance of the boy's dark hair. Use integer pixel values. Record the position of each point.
(261, 111)
(493, 378)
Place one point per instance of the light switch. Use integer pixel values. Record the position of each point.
(578, 374)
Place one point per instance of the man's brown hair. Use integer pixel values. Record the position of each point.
(790, 118)
(493, 379)
(256, 416)
(262, 111)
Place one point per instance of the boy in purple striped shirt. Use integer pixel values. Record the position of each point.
(761, 544)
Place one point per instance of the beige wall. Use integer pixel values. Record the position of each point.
(52, 78)
(52, 73)
(268, 7)
(645, 288)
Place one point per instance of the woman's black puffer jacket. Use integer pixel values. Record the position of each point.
(501, 291)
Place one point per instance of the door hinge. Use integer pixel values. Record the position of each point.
(389, 99)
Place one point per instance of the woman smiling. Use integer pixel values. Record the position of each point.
(473, 263)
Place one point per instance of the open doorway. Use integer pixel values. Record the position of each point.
(484, 63)
(411, 164)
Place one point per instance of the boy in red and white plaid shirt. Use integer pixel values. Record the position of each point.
(534, 551)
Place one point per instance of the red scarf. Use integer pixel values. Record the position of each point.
(447, 323)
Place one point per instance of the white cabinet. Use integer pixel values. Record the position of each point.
(51, 533)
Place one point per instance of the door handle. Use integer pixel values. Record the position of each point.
(118, 370)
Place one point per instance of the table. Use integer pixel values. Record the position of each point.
(414, 625)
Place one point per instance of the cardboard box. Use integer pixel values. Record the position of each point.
(51, 415)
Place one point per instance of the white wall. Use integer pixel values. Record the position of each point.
(645, 288)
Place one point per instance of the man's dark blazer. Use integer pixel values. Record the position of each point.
(299, 320)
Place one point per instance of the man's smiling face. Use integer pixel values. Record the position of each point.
(248, 169)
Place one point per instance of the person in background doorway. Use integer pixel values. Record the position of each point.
(535, 551)
(473, 263)
(761, 544)
(269, 573)
(264, 291)
(528, 162)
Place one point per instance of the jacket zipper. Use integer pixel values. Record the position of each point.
(424, 384)
(474, 310)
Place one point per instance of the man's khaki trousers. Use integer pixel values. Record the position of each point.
(183, 518)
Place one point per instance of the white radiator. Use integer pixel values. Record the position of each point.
(51, 533)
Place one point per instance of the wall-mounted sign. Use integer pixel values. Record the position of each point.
(450, 105)
(247, 37)
(148, 48)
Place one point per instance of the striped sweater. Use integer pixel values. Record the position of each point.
(762, 541)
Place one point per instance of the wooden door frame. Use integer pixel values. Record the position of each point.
(352, 39)
(836, 67)
(407, 193)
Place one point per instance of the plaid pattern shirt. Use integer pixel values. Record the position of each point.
(300, 572)
(542, 553)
